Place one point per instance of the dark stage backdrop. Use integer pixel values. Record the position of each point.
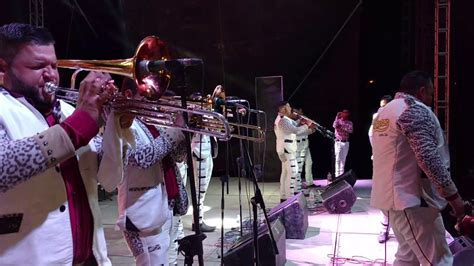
(241, 40)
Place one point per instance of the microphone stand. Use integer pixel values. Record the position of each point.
(224, 182)
(241, 170)
(258, 200)
(255, 201)
(189, 245)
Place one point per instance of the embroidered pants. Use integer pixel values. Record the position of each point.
(308, 167)
(202, 174)
(177, 230)
(151, 249)
(304, 162)
(289, 172)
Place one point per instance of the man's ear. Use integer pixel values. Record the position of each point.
(3, 65)
(420, 92)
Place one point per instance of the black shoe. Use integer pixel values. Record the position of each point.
(282, 200)
(205, 228)
(383, 237)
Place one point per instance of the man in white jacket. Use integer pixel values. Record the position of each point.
(411, 179)
(144, 213)
(384, 232)
(286, 130)
(303, 156)
(49, 212)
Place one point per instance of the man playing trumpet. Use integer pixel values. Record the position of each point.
(286, 130)
(145, 184)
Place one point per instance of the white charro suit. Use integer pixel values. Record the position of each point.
(286, 130)
(303, 156)
(408, 141)
(44, 235)
(203, 165)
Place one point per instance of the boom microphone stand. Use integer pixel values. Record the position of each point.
(189, 245)
(256, 200)
(224, 182)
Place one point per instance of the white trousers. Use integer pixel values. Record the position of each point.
(177, 230)
(305, 162)
(308, 166)
(152, 249)
(340, 151)
(202, 175)
(289, 172)
(421, 237)
(300, 158)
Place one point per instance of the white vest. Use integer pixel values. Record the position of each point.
(142, 195)
(45, 236)
(397, 182)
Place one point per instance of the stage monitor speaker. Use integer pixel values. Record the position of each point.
(463, 251)
(268, 93)
(241, 253)
(294, 213)
(349, 176)
(338, 197)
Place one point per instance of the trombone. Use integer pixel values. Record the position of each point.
(324, 131)
(254, 133)
(149, 85)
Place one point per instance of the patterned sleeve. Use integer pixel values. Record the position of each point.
(19, 160)
(147, 155)
(179, 153)
(288, 127)
(417, 124)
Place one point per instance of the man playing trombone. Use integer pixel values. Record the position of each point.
(286, 130)
(145, 187)
(49, 212)
(303, 155)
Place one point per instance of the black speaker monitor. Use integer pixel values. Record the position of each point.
(241, 253)
(349, 176)
(339, 197)
(294, 212)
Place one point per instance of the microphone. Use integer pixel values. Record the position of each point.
(147, 67)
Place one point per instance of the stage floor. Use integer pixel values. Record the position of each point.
(331, 239)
